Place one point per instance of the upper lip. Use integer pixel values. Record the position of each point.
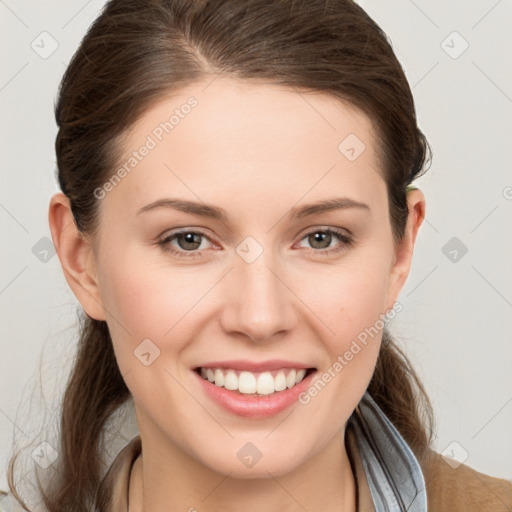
(252, 366)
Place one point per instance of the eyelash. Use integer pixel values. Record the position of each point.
(347, 243)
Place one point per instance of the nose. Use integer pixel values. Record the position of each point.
(260, 301)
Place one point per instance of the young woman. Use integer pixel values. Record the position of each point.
(237, 221)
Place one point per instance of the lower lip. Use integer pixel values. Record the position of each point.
(255, 406)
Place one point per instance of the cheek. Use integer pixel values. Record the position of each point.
(350, 301)
(144, 302)
(347, 298)
(146, 292)
(350, 305)
(150, 312)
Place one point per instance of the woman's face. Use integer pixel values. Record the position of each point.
(266, 284)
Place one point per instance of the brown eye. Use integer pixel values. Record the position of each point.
(184, 243)
(320, 241)
(188, 240)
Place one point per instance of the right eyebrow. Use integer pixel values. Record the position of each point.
(192, 207)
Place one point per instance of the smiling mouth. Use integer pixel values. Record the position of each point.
(254, 383)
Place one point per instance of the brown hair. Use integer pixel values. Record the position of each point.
(137, 51)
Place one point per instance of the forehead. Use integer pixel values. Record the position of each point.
(216, 110)
(239, 139)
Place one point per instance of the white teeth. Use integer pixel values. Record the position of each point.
(219, 378)
(280, 381)
(264, 383)
(300, 375)
(231, 380)
(246, 383)
(290, 379)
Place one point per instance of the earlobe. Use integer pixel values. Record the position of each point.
(404, 252)
(76, 256)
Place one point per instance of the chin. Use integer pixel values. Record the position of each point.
(249, 463)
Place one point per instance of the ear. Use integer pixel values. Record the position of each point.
(76, 256)
(404, 251)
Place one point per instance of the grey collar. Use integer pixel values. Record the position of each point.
(394, 474)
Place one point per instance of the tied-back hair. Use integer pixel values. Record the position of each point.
(137, 51)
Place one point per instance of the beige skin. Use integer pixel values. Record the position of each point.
(256, 150)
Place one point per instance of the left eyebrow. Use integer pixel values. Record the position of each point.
(336, 203)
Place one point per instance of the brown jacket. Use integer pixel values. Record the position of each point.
(464, 489)
(460, 489)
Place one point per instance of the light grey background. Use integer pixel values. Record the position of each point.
(457, 316)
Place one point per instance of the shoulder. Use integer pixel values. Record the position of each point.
(454, 488)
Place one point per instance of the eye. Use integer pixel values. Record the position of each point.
(189, 243)
(320, 240)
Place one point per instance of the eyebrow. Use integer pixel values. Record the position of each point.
(217, 213)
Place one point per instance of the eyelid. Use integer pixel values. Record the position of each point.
(339, 231)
